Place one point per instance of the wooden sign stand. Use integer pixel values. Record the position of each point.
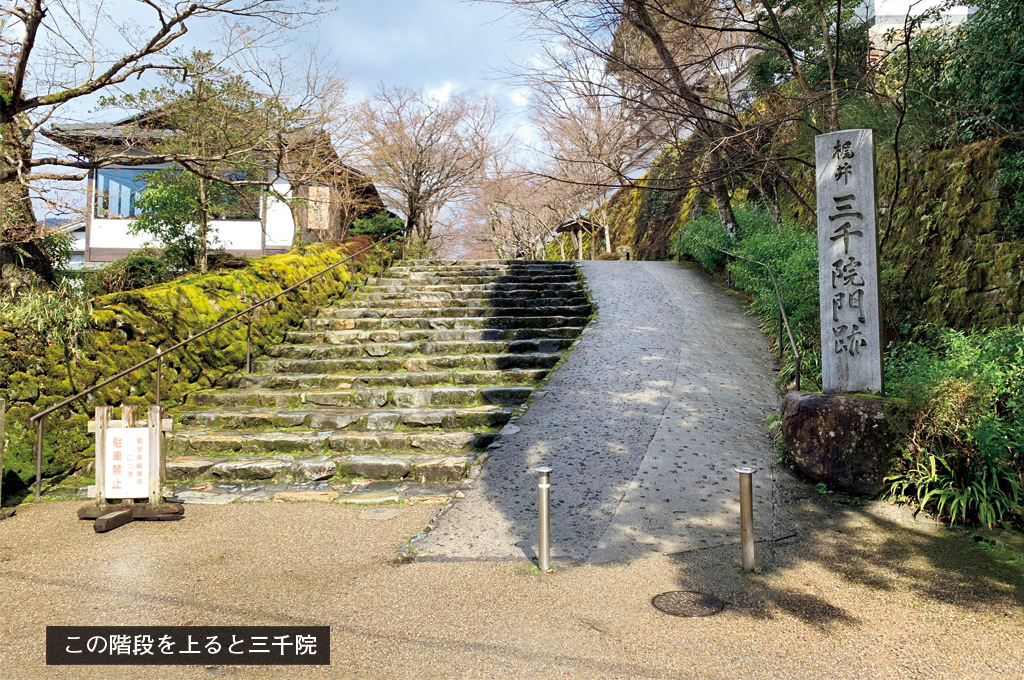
(108, 515)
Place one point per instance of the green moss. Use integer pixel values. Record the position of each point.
(130, 327)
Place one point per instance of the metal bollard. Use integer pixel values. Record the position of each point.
(747, 515)
(543, 517)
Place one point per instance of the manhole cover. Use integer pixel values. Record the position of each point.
(687, 603)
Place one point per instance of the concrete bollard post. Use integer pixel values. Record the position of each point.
(543, 518)
(747, 515)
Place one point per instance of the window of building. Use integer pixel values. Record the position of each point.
(117, 190)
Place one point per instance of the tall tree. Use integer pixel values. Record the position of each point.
(422, 153)
(59, 53)
(686, 62)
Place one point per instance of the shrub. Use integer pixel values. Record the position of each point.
(139, 269)
(379, 224)
(964, 399)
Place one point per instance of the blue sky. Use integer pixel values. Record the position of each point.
(433, 45)
(425, 44)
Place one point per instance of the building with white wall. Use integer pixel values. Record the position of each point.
(886, 15)
(265, 226)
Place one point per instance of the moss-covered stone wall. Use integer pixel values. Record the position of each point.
(947, 259)
(130, 327)
(647, 216)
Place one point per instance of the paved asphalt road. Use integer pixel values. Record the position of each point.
(643, 425)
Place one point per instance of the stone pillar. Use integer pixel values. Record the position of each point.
(851, 334)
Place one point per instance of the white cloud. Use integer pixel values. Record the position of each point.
(441, 94)
(519, 97)
(528, 133)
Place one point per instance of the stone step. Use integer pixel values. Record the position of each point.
(431, 335)
(439, 262)
(410, 379)
(431, 302)
(392, 349)
(482, 289)
(418, 467)
(459, 275)
(307, 441)
(470, 362)
(382, 397)
(454, 323)
(349, 419)
(509, 297)
(482, 270)
(347, 381)
(450, 312)
(426, 279)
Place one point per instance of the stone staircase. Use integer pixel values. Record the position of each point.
(411, 379)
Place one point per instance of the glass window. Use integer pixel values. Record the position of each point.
(117, 189)
(238, 203)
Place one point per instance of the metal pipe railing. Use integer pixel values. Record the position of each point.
(38, 418)
(783, 319)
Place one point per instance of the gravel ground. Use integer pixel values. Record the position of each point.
(844, 591)
(862, 593)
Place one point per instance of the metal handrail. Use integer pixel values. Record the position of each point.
(783, 319)
(158, 357)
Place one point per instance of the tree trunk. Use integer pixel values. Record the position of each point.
(721, 193)
(204, 227)
(705, 127)
(19, 231)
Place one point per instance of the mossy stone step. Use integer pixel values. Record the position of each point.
(414, 290)
(186, 441)
(430, 302)
(432, 312)
(516, 294)
(347, 381)
(449, 322)
(430, 335)
(409, 379)
(397, 397)
(422, 279)
(392, 349)
(402, 272)
(422, 468)
(477, 362)
(441, 262)
(350, 419)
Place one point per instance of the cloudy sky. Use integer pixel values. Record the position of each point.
(441, 45)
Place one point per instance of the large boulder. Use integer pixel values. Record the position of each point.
(847, 442)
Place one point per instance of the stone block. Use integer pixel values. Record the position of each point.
(845, 441)
(250, 469)
(185, 467)
(375, 467)
(306, 496)
(436, 470)
(317, 469)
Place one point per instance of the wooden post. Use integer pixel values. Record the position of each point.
(102, 420)
(156, 455)
(851, 330)
(3, 417)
